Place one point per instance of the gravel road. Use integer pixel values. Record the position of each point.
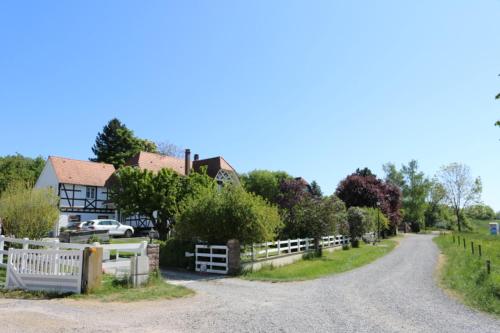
(397, 293)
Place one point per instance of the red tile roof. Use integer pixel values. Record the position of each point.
(213, 165)
(70, 171)
(156, 162)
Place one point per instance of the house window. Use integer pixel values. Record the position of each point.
(91, 192)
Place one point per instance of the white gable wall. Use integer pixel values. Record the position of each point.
(48, 177)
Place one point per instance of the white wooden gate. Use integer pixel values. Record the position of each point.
(211, 259)
(50, 270)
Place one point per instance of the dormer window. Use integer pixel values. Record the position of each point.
(91, 192)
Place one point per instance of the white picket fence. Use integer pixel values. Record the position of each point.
(285, 247)
(118, 265)
(49, 270)
(211, 259)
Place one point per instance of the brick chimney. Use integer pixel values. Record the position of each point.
(196, 157)
(187, 162)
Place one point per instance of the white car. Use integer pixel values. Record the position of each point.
(114, 227)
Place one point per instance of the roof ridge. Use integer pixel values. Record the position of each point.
(74, 159)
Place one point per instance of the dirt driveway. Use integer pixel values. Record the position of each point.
(397, 293)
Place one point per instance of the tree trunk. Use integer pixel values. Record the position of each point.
(457, 212)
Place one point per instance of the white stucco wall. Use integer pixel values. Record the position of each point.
(48, 177)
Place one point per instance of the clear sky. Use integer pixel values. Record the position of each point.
(316, 88)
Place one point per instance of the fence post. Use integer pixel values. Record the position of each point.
(307, 244)
(56, 257)
(289, 246)
(488, 266)
(25, 243)
(464, 243)
(267, 250)
(253, 252)
(472, 247)
(479, 248)
(279, 246)
(2, 246)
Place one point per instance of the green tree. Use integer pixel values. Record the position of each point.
(216, 216)
(316, 217)
(375, 219)
(28, 212)
(461, 189)
(265, 183)
(116, 144)
(414, 187)
(357, 224)
(480, 212)
(435, 211)
(18, 168)
(316, 190)
(158, 196)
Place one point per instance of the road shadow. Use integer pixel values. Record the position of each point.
(179, 276)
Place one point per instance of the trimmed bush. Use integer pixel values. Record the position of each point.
(357, 224)
(218, 215)
(173, 253)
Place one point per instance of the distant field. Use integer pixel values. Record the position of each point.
(466, 273)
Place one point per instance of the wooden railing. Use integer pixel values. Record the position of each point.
(285, 247)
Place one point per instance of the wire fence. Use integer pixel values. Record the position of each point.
(485, 250)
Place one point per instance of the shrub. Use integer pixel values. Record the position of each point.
(217, 215)
(373, 216)
(315, 217)
(28, 212)
(173, 253)
(357, 224)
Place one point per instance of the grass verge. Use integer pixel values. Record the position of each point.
(112, 290)
(465, 273)
(330, 263)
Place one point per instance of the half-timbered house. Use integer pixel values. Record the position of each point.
(215, 167)
(80, 186)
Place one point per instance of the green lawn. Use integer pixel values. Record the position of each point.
(465, 273)
(330, 263)
(112, 290)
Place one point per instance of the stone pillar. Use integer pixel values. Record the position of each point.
(233, 256)
(153, 253)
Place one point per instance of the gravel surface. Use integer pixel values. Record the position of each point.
(397, 293)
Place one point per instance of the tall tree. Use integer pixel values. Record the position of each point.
(364, 189)
(18, 168)
(158, 196)
(265, 183)
(116, 144)
(415, 191)
(169, 149)
(461, 189)
(316, 189)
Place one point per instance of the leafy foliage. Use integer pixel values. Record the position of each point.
(18, 168)
(265, 183)
(28, 212)
(316, 190)
(461, 189)
(216, 216)
(415, 189)
(315, 217)
(116, 144)
(363, 189)
(357, 224)
(157, 196)
(374, 217)
(480, 212)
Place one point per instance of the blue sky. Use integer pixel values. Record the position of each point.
(316, 88)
